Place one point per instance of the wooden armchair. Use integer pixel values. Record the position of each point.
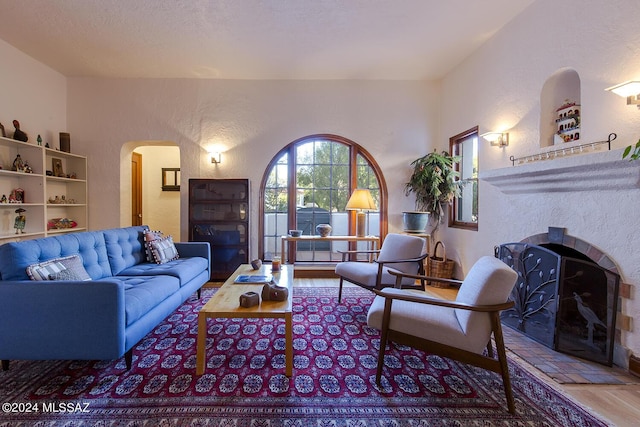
(460, 329)
(400, 253)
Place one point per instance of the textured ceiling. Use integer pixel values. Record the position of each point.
(254, 39)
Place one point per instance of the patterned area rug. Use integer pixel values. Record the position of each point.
(244, 383)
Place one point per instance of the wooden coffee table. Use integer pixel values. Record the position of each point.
(225, 303)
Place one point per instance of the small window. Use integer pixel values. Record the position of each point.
(464, 211)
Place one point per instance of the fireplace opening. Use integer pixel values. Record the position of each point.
(563, 299)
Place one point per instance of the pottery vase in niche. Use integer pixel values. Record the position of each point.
(323, 229)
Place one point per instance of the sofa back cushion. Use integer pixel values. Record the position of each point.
(15, 257)
(125, 247)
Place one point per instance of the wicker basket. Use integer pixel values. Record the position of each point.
(440, 267)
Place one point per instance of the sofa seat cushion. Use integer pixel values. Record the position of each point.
(185, 269)
(143, 293)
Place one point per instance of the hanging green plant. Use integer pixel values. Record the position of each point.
(632, 151)
(434, 183)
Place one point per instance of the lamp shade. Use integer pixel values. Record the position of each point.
(626, 89)
(361, 200)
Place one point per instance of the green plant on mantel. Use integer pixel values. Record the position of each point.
(632, 151)
(434, 183)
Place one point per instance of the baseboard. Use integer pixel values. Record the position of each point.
(634, 365)
(315, 272)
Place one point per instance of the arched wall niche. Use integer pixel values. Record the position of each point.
(561, 88)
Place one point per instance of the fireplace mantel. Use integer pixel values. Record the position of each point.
(598, 171)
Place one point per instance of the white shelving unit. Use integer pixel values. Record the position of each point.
(39, 189)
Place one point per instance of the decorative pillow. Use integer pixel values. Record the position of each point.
(150, 236)
(73, 264)
(65, 275)
(163, 250)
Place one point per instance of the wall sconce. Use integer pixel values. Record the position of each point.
(629, 90)
(497, 139)
(361, 201)
(215, 157)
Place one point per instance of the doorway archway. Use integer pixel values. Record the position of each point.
(160, 209)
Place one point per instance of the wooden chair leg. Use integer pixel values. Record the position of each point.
(490, 349)
(128, 358)
(386, 317)
(502, 359)
(340, 291)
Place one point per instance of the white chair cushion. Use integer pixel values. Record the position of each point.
(489, 281)
(365, 273)
(402, 246)
(430, 322)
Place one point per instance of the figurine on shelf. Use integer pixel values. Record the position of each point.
(27, 168)
(19, 135)
(20, 221)
(18, 165)
(3, 199)
(39, 140)
(16, 195)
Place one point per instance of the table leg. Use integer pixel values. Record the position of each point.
(288, 337)
(201, 351)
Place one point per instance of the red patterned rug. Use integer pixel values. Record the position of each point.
(244, 384)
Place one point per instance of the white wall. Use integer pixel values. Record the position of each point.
(499, 87)
(160, 209)
(33, 94)
(249, 121)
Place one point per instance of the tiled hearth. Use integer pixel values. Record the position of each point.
(562, 368)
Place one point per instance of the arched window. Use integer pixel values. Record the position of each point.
(309, 183)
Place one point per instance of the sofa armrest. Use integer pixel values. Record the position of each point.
(62, 319)
(191, 249)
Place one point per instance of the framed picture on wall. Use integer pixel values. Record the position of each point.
(170, 179)
(56, 165)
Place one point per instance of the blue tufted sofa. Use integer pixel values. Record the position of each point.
(100, 319)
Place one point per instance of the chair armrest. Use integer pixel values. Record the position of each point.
(397, 261)
(193, 249)
(400, 275)
(345, 253)
(400, 294)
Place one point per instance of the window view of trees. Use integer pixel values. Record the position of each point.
(315, 190)
(464, 212)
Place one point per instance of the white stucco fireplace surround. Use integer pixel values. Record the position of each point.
(596, 198)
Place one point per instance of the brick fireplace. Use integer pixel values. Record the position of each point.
(564, 298)
(595, 198)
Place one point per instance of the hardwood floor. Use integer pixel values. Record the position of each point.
(617, 404)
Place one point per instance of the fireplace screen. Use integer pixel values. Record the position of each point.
(562, 299)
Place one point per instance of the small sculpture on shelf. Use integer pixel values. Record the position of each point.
(4, 199)
(27, 168)
(18, 164)
(61, 223)
(19, 135)
(16, 195)
(20, 221)
(61, 200)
